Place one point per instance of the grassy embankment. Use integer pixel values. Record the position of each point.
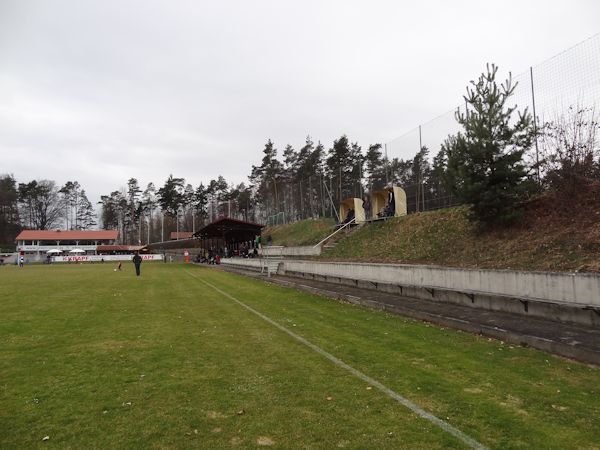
(303, 232)
(92, 358)
(447, 238)
(552, 235)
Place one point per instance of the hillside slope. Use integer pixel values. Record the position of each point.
(548, 237)
(303, 232)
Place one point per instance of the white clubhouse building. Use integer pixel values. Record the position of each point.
(37, 243)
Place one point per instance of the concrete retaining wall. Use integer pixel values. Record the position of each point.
(291, 252)
(572, 289)
(571, 298)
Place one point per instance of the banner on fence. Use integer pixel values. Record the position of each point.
(102, 258)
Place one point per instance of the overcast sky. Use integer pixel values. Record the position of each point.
(101, 91)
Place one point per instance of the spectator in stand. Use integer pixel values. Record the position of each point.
(349, 216)
(392, 203)
(367, 207)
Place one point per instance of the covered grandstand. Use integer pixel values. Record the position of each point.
(222, 233)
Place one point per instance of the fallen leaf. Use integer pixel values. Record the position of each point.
(265, 441)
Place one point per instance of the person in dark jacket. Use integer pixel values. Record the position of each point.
(137, 261)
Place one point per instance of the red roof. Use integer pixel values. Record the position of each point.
(120, 248)
(80, 235)
(181, 234)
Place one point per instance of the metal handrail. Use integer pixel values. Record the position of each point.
(335, 232)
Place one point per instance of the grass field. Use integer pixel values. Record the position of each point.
(92, 358)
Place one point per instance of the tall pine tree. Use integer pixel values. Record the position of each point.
(485, 161)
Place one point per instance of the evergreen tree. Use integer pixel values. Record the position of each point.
(70, 194)
(485, 161)
(343, 164)
(200, 203)
(114, 210)
(149, 205)
(170, 196)
(243, 201)
(86, 216)
(374, 170)
(420, 171)
(189, 218)
(134, 211)
(170, 199)
(437, 185)
(290, 176)
(265, 179)
(9, 211)
(109, 214)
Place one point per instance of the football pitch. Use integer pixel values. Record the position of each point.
(194, 357)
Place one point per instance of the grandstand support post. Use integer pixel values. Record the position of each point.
(535, 131)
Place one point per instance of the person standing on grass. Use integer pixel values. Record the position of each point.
(137, 261)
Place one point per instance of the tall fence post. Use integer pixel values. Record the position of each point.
(535, 131)
(420, 176)
(387, 164)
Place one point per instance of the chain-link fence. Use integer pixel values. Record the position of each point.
(547, 90)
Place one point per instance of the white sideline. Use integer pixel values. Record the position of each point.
(338, 362)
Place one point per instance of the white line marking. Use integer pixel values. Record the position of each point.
(338, 362)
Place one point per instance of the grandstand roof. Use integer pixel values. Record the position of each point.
(121, 248)
(69, 235)
(230, 229)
